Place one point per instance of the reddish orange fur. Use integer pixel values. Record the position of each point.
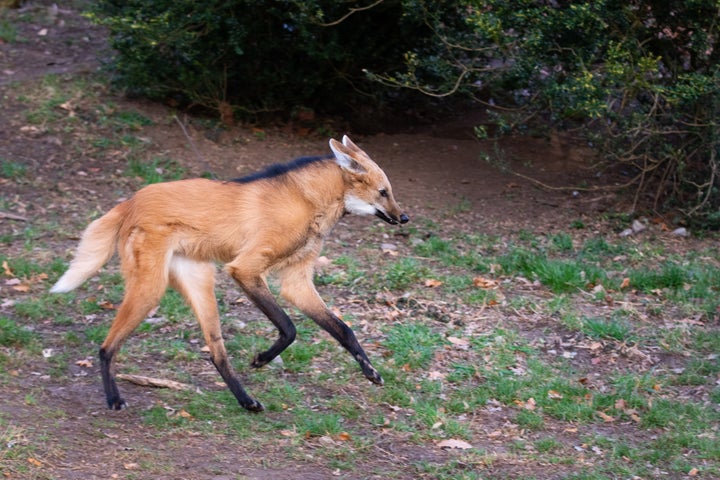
(170, 234)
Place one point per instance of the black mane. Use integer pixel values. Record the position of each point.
(281, 168)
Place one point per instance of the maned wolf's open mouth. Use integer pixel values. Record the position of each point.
(392, 220)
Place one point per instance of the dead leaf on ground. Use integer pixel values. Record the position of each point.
(554, 394)
(432, 283)
(485, 283)
(6, 269)
(606, 418)
(461, 343)
(452, 443)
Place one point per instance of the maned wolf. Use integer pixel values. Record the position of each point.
(170, 234)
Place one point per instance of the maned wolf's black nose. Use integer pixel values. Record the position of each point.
(404, 218)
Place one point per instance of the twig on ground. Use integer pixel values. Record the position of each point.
(12, 216)
(155, 382)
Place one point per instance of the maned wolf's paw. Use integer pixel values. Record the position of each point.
(258, 361)
(254, 406)
(373, 375)
(116, 403)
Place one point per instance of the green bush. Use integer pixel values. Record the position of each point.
(641, 77)
(256, 56)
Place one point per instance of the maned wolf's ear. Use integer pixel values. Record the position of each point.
(344, 158)
(349, 143)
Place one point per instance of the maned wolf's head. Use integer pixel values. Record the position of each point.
(369, 192)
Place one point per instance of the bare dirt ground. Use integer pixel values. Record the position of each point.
(437, 173)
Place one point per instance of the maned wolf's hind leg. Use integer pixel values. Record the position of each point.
(257, 290)
(195, 281)
(143, 290)
(298, 289)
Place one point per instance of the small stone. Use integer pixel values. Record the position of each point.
(638, 226)
(680, 232)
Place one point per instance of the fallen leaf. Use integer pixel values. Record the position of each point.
(435, 375)
(6, 269)
(625, 283)
(483, 282)
(553, 394)
(454, 443)
(322, 261)
(693, 472)
(530, 404)
(184, 414)
(84, 363)
(344, 436)
(462, 343)
(131, 466)
(34, 461)
(606, 418)
(105, 305)
(21, 288)
(432, 283)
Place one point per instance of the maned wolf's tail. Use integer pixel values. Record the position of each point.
(96, 248)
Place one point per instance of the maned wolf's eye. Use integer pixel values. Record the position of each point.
(383, 193)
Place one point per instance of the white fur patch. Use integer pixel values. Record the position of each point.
(357, 206)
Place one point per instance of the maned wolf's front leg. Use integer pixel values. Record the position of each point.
(298, 289)
(195, 281)
(258, 292)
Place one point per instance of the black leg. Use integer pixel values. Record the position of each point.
(261, 296)
(345, 336)
(112, 394)
(236, 388)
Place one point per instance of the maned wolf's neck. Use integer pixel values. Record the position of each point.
(322, 184)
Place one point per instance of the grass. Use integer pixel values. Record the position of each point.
(570, 353)
(12, 170)
(156, 170)
(439, 372)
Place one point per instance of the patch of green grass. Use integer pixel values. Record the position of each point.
(22, 267)
(315, 424)
(156, 170)
(529, 419)
(671, 276)
(13, 335)
(547, 445)
(8, 31)
(699, 371)
(96, 333)
(607, 328)
(403, 273)
(561, 242)
(598, 248)
(174, 307)
(412, 344)
(44, 307)
(560, 275)
(349, 274)
(12, 170)
(131, 119)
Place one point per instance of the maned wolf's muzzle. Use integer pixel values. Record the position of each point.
(392, 219)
